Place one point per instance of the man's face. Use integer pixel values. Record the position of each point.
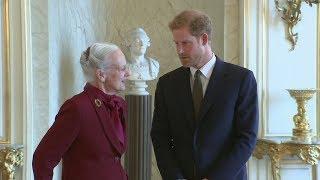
(189, 48)
(116, 72)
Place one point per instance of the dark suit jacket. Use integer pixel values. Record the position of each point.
(217, 145)
(85, 140)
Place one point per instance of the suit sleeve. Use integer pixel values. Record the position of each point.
(161, 138)
(56, 142)
(246, 126)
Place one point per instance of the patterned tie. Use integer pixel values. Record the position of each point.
(197, 93)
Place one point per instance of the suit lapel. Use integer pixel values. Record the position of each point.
(186, 97)
(107, 126)
(213, 88)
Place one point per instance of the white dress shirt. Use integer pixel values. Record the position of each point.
(206, 72)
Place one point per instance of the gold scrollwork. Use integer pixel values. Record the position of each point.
(273, 151)
(291, 14)
(10, 159)
(309, 153)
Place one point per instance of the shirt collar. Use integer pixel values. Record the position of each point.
(206, 70)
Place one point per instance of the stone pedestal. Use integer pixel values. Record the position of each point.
(137, 87)
(138, 155)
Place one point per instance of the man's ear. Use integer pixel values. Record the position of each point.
(101, 75)
(205, 39)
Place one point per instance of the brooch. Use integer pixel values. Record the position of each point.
(97, 102)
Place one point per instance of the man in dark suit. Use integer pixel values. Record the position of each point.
(206, 115)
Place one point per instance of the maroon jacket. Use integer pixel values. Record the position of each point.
(84, 137)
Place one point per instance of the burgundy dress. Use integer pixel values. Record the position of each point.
(89, 135)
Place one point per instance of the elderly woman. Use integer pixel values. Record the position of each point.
(140, 66)
(89, 131)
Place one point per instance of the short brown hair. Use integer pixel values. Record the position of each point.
(197, 22)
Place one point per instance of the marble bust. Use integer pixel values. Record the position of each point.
(141, 67)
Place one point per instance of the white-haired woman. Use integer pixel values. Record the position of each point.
(140, 66)
(89, 131)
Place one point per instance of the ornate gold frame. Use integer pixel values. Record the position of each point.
(6, 58)
(291, 15)
(308, 153)
(11, 158)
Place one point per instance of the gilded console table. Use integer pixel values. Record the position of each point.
(11, 157)
(276, 150)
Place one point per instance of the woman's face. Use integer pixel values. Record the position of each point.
(116, 73)
(139, 45)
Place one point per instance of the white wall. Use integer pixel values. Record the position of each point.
(266, 52)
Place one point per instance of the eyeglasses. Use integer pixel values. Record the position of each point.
(118, 68)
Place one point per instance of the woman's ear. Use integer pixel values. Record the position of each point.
(101, 75)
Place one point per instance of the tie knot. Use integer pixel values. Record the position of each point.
(197, 74)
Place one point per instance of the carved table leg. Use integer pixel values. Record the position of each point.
(275, 167)
(10, 176)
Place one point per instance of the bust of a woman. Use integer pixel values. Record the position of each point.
(141, 67)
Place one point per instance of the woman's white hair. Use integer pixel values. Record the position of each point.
(93, 58)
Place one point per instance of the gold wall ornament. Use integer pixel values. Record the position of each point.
(11, 157)
(301, 132)
(291, 14)
(276, 151)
